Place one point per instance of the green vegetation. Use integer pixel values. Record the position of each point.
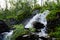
(56, 34)
(20, 10)
(32, 29)
(19, 31)
(53, 15)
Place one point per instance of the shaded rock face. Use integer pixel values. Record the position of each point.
(58, 14)
(52, 24)
(3, 27)
(11, 21)
(43, 38)
(38, 26)
(22, 38)
(31, 37)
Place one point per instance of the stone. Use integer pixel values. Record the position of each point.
(3, 27)
(30, 37)
(38, 26)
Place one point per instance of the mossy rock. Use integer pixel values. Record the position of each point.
(53, 15)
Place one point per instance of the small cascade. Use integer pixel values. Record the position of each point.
(41, 17)
(7, 35)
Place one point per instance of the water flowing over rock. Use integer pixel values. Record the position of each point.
(7, 35)
(4, 31)
(38, 21)
(25, 21)
(41, 17)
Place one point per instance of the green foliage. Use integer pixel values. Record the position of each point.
(52, 15)
(19, 31)
(32, 29)
(24, 12)
(56, 34)
(54, 9)
(37, 7)
(51, 6)
(19, 10)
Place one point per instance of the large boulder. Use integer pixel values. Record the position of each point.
(3, 27)
(38, 26)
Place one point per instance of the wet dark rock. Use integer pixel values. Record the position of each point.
(1, 37)
(58, 14)
(49, 38)
(43, 38)
(22, 38)
(31, 37)
(13, 21)
(3, 27)
(38, 26)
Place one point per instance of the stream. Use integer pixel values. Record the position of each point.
(39, 17)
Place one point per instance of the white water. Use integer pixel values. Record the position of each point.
(7, 35)
(38, 17)
(41, 17)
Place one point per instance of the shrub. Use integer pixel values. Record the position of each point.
(56, 34)
(53, 15)
(18, 31)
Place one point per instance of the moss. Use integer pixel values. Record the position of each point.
(52, 15)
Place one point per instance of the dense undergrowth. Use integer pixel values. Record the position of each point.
(54, 18)
(22, 10)
(20, 31)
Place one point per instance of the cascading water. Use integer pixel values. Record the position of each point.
(41, 17)
(7, 35)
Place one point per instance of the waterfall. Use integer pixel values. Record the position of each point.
(41, 17)
(7, 35)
